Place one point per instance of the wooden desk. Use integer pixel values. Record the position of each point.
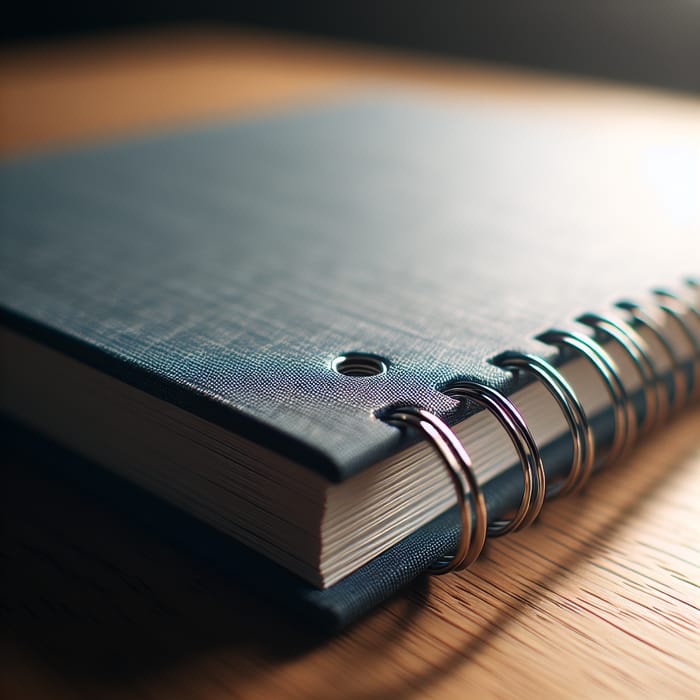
(599, 599)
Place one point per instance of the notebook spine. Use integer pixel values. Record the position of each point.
(660, 402)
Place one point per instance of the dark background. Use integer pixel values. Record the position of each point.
(655, 42)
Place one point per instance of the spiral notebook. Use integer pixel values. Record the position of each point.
(338, 347)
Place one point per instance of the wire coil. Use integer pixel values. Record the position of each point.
(459, 465)
(564, 395)
(530, 460)
(661, 397)
(656, 399)
(642, 319)
(625, 420)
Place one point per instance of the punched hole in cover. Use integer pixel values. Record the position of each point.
(358, 364)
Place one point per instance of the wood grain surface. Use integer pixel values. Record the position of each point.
(599, 599)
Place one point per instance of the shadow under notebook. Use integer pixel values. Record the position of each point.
(105, 601)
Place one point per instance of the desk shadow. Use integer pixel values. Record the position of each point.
(98, 599)
(106, 604)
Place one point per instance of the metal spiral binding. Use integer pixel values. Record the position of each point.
(564, 395)
(627, 425)
(459, 466)
(625, 420)
(681, 388)
(515, 426)
(675, 307)
(655, 392)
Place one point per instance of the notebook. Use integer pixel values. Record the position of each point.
(335, 348)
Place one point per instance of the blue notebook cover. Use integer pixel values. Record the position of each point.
(224, 268)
